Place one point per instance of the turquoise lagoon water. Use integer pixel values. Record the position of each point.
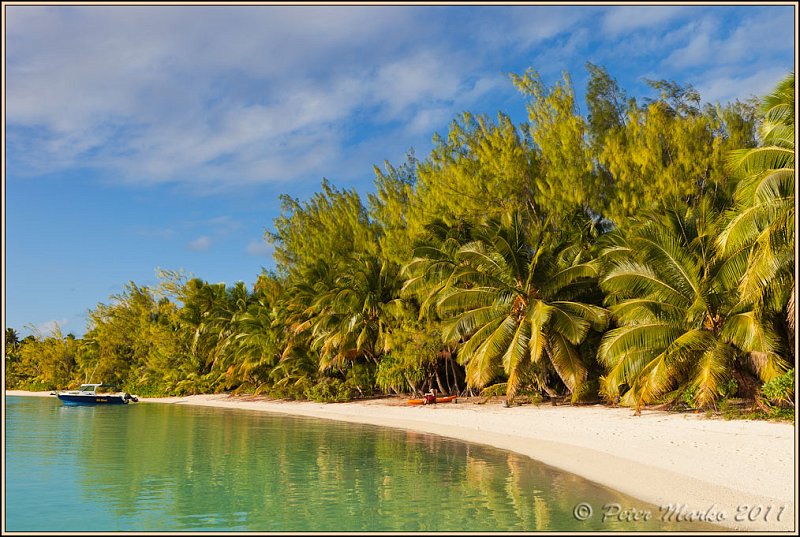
(157, 467)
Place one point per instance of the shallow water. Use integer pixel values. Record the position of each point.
(160, 467)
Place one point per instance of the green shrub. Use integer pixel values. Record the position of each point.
(390, 374)
(361, 377)
(495, 390)
(780, 390)
(689, 395)
(38, 386)
(729, 388)
(143, 390)
(397, 373)
(329, 390)
(287, 390)
(782, 414)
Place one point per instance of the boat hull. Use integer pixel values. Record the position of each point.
(75, 400)
(448, 399)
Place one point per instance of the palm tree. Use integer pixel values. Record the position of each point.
(681, 325)
(207, 316)
(762, 219)
(357, 313)
(12, 340)
(513, 304)
(253, 346)
(435, 264)
(347, 311)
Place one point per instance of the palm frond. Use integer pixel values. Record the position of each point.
(464, 325)
(516, 358)
(596, 315)
(472, 345)
(567, 362)
(749, 333)
(663, 252)
(748, 224)
(569, 275)
(652, 337)
(458, 300)
(631, 278)
(712, 369)
(572, 327)
(645, 310)
(767, 365)
(483, 363)
(754, 160)
(655, 378)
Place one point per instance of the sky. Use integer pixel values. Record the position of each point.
(140, 138)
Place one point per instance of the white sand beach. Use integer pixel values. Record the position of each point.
(725, 469)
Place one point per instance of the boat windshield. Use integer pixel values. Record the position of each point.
(87, 388)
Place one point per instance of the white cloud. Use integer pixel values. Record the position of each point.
(214, 96)
(260, 248)
(50, 328)
(698, 50)
(619, 20)
(219, 225)
(219, 95)
(200, 244)
(520, 27)
(713, 42)
(724, 87)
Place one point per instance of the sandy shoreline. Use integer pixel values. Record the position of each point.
(657, 457)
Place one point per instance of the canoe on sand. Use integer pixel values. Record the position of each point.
(448, 399)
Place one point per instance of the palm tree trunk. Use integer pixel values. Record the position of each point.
(790, 307)
(439, 381)
(455, 373)
(790, 312)
(410, 384)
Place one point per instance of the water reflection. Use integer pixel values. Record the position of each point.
(168, 467)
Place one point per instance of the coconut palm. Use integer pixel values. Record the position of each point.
(353, 312)
(763, 218)
(435, 264)
(207, 318)
(681, 327)
(12, 339)
(513, 304)
(254, 346)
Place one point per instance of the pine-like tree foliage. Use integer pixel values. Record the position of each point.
(330, 226)
(482, 169)
(560, 136)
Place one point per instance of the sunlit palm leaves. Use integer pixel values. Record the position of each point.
(256, 345)
(681, 325)
(762, 220)
(350, 314)
(512, 304)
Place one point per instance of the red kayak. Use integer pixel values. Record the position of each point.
(448, 399)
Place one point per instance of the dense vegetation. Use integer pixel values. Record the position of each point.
(640, 254)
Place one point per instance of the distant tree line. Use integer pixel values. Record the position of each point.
(640, 254)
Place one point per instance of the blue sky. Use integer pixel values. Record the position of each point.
(140, 137)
